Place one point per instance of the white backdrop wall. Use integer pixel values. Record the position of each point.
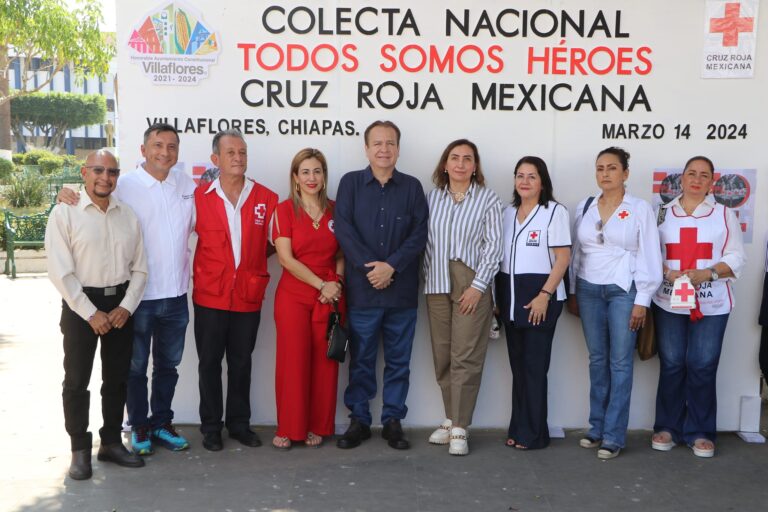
(665, 46)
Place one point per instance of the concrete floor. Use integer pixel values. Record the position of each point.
(564, 477)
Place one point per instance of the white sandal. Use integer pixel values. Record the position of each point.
(441, 435)
(458, 443)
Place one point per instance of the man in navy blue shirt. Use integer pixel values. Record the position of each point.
(381, 224)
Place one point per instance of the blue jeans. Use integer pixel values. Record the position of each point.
(396, 327)
(686, 400)
(163, 321)
(605, 311)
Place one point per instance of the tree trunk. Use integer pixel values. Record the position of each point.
(5, 108)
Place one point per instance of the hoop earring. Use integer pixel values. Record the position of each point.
(296, 187)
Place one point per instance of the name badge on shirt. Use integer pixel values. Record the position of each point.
(260, 212)
(330, 226)
(683, 294)
(534, 238)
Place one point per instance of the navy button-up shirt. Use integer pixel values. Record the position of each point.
(381, 223)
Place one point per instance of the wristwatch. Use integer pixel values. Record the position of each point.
(715, 275)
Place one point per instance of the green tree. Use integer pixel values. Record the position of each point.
(56, 34)
(53, 113)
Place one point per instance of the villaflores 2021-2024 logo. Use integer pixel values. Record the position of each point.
(173, 46)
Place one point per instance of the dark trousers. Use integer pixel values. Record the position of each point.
(764, 353)
(529, 354)
(230, 333)
(79, 349)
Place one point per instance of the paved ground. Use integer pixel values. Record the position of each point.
(564, 477)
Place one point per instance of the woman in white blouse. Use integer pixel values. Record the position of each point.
(461, 259)
(700, 239)
(530, 295)
(616, 269)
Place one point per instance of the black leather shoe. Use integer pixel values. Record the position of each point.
(246, 437)
(212, 441)
(80, 467)
(356, 433)
(393, 433)
(118, 454)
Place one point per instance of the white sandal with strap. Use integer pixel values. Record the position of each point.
(458, 443)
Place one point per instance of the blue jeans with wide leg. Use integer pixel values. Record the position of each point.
(605, 311)
(396, 328)
(686, 400)
(159, 326)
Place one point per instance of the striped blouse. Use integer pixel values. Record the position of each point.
(469, 231)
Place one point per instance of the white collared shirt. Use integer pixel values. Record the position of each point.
(89, 247)
(166, 212)
(233, 214)
(630, 249)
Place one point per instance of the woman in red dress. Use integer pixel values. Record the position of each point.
(305, 379)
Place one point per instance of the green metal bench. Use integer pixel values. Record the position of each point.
(70, 175)
(23, 232)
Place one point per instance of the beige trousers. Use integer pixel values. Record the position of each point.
(459, 343)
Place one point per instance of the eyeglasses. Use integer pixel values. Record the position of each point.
(113, 172)
(599, 228)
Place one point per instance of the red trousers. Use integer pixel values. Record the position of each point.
(305, 379)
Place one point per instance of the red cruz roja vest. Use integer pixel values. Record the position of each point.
(217, 284)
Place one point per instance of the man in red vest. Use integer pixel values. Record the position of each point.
(230, 277)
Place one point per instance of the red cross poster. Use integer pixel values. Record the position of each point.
(730, 38)
(734, 188)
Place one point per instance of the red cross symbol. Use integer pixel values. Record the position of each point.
(684, 292)
(623, 214)
(261, 211)
(731, 25)
(689, 249)
(534, 235)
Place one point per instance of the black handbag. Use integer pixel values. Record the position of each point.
(338, 338)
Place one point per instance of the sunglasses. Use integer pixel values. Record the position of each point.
(599, 228)
(113, 172)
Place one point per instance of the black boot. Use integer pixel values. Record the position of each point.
(80, 467)
(355, 434)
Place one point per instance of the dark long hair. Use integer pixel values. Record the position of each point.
(546, 194)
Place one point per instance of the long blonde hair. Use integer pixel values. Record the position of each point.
(322, 194)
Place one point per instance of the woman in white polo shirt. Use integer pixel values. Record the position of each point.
(530, 295)
(461, 259)
(616, 269)
(702, 240)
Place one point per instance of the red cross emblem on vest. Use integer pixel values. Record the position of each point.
(688, 251)
(731, 24)
(623, 214)
(260, 211)
(684, 292)
(533, 238)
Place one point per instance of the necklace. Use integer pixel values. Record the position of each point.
(315, 218)
(458, 196)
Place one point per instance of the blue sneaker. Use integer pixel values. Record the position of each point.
(140, 441)
(167, 436)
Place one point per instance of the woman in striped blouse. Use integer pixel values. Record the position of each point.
(461, 259)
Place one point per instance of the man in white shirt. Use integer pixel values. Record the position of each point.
(96, 261)
(163, 199)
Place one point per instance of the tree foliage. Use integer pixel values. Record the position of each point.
(54, 113)
(56, 34)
